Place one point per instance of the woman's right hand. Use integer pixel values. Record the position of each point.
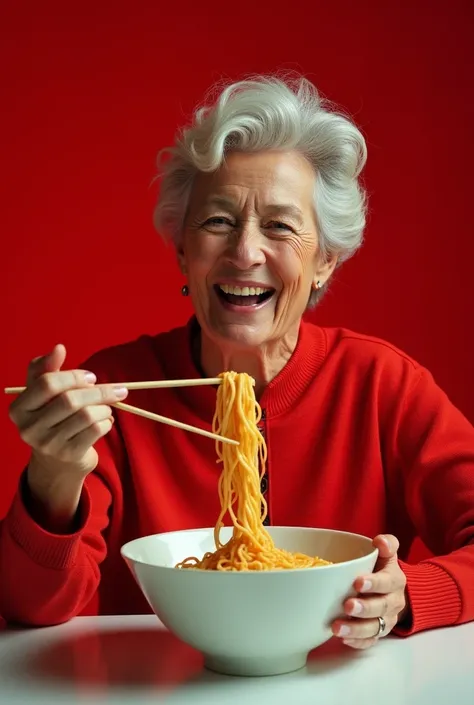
(60, 415)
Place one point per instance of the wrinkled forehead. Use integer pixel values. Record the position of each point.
(265, 179)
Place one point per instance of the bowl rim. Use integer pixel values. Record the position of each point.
(196, 571)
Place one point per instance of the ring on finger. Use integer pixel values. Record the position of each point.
(382, 627)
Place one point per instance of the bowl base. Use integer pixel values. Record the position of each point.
(258, 666)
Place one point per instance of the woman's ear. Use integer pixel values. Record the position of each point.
(324, 272)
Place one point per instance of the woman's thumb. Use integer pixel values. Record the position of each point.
(51, 362)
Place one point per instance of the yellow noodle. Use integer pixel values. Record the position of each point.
(251, 547)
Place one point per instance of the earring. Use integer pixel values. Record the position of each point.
(318, 285)
(185, 290)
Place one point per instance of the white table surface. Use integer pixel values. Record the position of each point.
(133, 659)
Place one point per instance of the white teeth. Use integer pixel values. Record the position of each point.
(243, 291)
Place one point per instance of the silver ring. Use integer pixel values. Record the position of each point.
(382, 626)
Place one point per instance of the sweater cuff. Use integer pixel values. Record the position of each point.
(433, 598)
(53, 551)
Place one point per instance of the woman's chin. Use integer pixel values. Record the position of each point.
(242, 336)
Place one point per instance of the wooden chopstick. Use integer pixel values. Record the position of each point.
(160, 384)
(157, 417)
(172, 422)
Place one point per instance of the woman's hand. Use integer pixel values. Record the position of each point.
(381, 594)
(60, 415)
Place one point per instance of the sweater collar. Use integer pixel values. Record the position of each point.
(281, 394)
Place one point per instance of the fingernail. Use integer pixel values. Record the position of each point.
(344, 630)
(366, 586)
(120, 392)
(357, 607)
(90, 378)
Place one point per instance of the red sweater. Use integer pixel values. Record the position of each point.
(359, 437)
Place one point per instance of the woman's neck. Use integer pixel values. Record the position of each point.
(263, 363)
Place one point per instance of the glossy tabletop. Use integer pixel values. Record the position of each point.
(133, 659)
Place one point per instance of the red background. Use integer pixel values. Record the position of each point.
(91, 91)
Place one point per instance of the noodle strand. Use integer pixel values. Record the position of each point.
(250, 547)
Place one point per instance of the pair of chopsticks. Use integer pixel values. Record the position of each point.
(162, 384)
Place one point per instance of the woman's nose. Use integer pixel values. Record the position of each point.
(246, 248)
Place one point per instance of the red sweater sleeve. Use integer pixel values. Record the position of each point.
(47, 578)
(436, 453)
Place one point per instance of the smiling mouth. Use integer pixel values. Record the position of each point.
(243, 296)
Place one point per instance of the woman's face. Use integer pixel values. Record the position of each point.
(250, 247)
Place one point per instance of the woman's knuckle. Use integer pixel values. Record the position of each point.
(70, 402)
(78, 377)
(51, 449)
(86, 414)
(100, 428)
(48, 384)
(45, 446)
(66, 454)
(26, 435)
(106, 393)
(43, 384)
(96, 428)
(72, 445)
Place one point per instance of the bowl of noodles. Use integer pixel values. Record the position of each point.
(255, 600)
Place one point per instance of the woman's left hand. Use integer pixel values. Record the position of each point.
(381, 594)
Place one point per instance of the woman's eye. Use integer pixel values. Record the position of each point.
(218, 222)
(278, 225)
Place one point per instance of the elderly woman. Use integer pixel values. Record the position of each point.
(261, 197)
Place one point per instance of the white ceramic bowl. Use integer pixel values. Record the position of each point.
(250, 623)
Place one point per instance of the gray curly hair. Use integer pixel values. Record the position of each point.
(272, 112)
